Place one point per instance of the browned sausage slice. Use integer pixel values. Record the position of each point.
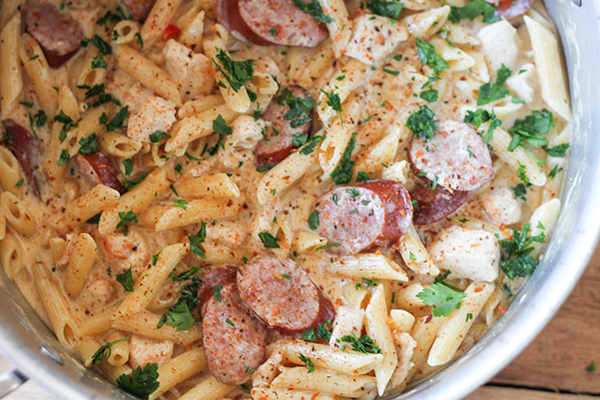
(279, 292)
(57, 33)
(377, 213)
(97, 169)
(456, 157)
(23, 144)
(234, 341)
(139, 9)
(281, 22)
(220, 276)
(509, 9)
(434, 205)
(228, 14)
(278, 142)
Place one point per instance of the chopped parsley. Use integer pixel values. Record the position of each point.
(268, 240)
(127, 166)
(143, 381)
(114, 17)
(591, 367)
(421, 123)
(334, 101)
(157, 136)
(64, 158)
(99, 354)
(558, 151)
(129, 184)
(441, 278)
(181, 203)
(362, 176)
(342, 174)
(118, 120)
(99, 62)
(179, 315)
(328, 245)
(99, 43)
(516, 259)
(126, 218)
(300, 108)
(40, 118)
(472, 10)
(481, 116)
(529, 130)
(307, 362)
(67, 124)
(363, 345)
(197, 240)
(428, 56)
(430, 95)
(442, 298)
(220, 126)
(313, 220)
(217, 293)
(126, 280)
(237, 73)
(489, 92)
(22, 181)
(89, 145)
(184, 276)
(313, 9)
(390, 9)
(310, 145)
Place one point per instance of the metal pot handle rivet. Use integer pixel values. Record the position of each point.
(10, 381)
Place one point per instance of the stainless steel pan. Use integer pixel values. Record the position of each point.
(35, 353)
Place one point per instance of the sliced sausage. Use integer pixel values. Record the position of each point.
(234, 341)
(23, 144)
(228, 14)
(57, 33)
(509, 9)
(139, 9)
(435, 204)
(280, 293)
(97, 169)
(456, 157)
(281, 22)
(217, 276)
(376, 213)
(277, 144)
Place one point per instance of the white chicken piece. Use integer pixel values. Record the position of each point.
(406, 347)
(192, 72)
(347, 322)
(524, 83)
(129, 251)
(136, 96)
(374, 38)
(155, 114)
(143, 350)
(472, 254)
(499, 45)
(247, 132)
(501, 206)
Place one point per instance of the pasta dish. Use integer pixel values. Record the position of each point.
(277, 199)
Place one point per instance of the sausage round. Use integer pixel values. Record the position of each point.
(217, 276)
(25, 147)
(97, 169)
(277, 144)
(281, 22)
(509, 9)
(139, 9)
(228, 14)
(234, 341)
(434, 205)
(376, 213)
(279, 292)
(456, 156)
(57, 33)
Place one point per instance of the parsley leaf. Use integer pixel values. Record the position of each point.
(421, 123)
(67, 124)
(99, 354)
(363, 345)
(99, 43)
(127, 166)
(490, 92)
(443, 298)
(362, 176)
(220, 126)
(237, 73)
(184, 276)
(516, 261)
(343, 172)
(126, 217)
(428, 56)
(310, 145)
(268, 240)
(480, 116)
(472, 10)
(307, 362)
(126, 280)
(314, 9)
(64, 158)
(529, 129)
(558, 151)
(157, 136)
(113, 17)
(129, 184)
(197, 240)
(334, 101)
(89, 145)
(299, 108)
(313, 220)
(118, 120)
(143, 381)
(430, 95)
(389, 9)
(179, 315)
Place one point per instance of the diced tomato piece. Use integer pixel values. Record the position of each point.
(171, 31)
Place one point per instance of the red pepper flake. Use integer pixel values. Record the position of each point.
(502, 309)
(171, 31)
(102, 166)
